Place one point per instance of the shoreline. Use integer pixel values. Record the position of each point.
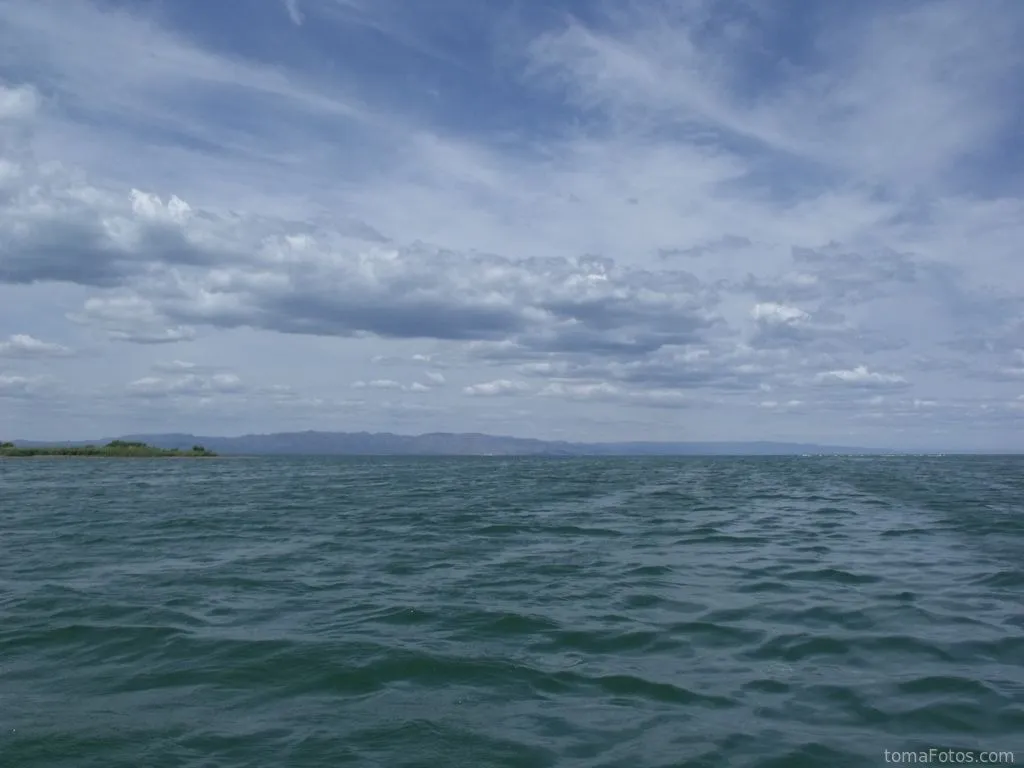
(63, 456)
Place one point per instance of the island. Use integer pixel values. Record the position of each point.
(121, 449)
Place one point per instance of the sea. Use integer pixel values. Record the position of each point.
(472, 612)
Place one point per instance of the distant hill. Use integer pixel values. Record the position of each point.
(457, 444)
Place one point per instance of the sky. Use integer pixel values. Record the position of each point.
(632, 220)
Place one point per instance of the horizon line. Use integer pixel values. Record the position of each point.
(860, 449)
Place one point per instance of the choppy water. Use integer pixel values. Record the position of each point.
(509, 612)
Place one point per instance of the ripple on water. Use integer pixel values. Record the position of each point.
(580, 612)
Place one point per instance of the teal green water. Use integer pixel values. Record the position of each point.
(509, 612)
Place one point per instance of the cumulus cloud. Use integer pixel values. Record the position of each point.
(860, 377)
(166, 336)
(23, 345)
(594, 318)
(390, 384)
(187, 385)
(728, 366)
(377, 384)
(175, 366)
(416, 359)
(18, 102)
(603, 391)
(131, 318)
(179, 268)
(496, 388)
(776, 405)
(22, 386)
(771, 313)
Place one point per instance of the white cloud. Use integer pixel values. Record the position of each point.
(18, 102)
(22, 386)
(770, 312)
(606, 392)
(81, 48)
(294, 12)
(391, 384)
(878, 107)
(180, 268)
(132, 318)
(175, 366)
(860, 376)
(777, 405)
(599, 390)
(189, 385)
(497, 388)
(23, 345)
(377, 384)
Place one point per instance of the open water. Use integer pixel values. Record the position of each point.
(510, 612)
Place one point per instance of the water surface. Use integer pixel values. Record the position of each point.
(509, 612)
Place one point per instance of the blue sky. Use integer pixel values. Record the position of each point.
(646, 220)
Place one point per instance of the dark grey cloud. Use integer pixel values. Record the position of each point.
(725, 243)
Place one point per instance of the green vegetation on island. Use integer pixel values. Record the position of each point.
(113, 449)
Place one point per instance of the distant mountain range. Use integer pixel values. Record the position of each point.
(456, 444)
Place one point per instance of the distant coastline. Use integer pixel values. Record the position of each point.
(117, 449)
(314, 443)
